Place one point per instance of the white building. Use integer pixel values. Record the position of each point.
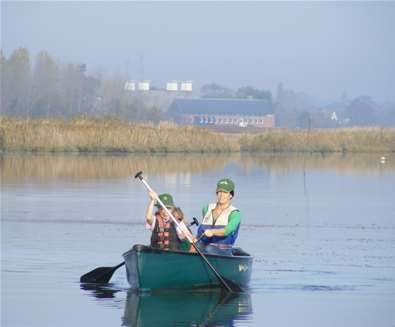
(186, 86)
(130, 86)
(144, 85)
(172, 86)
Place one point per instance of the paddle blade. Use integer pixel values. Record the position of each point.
(99, 275)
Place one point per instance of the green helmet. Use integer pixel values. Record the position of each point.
(167, 200)
(225, 185)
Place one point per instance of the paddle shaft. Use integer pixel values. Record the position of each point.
(120, 265)
(190, 240)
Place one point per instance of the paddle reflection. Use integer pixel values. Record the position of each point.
(100, 291)
(186, 309)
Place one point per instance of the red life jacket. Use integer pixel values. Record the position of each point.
(164, 235)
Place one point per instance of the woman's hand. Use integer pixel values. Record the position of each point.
(214, 232)
(208, 233)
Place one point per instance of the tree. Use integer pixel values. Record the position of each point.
(89, 93)
(386, 117)
(3, 63)
(214, 90)
(45, 93)
(362, 111)
(16, 83)
(69, 89)
(250, 92)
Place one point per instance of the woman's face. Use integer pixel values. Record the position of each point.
(223, 197)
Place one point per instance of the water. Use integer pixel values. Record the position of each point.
(321, 230)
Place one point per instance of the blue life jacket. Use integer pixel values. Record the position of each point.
(219, 223)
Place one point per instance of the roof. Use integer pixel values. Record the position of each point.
(221, 106)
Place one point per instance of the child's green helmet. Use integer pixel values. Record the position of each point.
(167, 200)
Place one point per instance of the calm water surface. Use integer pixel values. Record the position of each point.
(321, 230)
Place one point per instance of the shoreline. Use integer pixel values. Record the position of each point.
(109, 136)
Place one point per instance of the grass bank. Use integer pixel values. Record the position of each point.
(89, 135)
(364, 140)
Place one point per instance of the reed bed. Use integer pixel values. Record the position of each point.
(364, 140)
(109, 135)
(46, 168)
(88, 135)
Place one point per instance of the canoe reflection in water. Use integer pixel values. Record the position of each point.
(177, 308)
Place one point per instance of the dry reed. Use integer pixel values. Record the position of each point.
(321, 140)
(19, 167)
(110, 135)
(88, 135)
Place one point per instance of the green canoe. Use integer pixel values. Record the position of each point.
(148, 268)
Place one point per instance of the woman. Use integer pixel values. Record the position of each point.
(221, 221)
(165, 233)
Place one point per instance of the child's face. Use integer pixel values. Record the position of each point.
(163, 213)
(177, 216)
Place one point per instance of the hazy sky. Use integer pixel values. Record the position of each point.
(322, 48)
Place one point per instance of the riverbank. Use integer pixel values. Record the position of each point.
(355, 140)
(88, 135)
(108, 135)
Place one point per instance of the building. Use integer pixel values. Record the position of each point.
(186, 86)
(130, 86)
(172, 86)
(143, 85)
(223, 113)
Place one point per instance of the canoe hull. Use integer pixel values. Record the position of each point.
(148, 268)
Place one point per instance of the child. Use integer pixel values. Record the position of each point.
(179, 215)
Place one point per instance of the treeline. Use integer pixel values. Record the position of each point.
(45, 88)
(217, 91)
(41, 87)
(300, 110)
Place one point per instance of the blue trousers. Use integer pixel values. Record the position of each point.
(212, 249)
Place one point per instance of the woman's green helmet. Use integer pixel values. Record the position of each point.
(225, 185)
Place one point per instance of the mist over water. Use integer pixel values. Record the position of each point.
(323, 49)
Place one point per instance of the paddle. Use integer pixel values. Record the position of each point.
(194, 222)
(100, 275)
(229, 285)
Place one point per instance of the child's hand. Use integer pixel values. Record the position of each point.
(153, 196)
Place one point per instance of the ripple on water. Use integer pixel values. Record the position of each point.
(261, 286)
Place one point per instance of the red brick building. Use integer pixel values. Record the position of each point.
(223, 113)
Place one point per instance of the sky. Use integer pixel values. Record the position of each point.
(320, 48)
